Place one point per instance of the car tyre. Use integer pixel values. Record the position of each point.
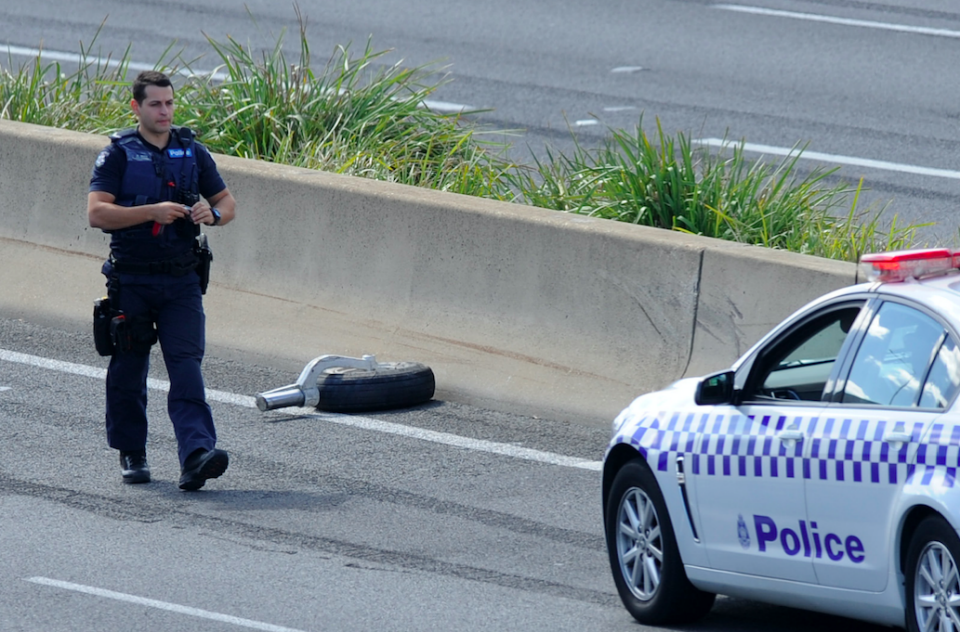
(933, 577)
(390, 385)
(643, 552)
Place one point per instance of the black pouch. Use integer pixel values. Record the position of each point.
(102, 338)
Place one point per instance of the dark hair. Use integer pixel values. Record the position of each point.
(148, 78)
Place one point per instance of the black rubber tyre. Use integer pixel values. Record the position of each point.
(644, 558)
(933, 578)
(391, 385)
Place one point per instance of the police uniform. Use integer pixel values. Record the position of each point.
(152, 280)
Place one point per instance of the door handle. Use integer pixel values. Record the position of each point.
(897, 437)
(790, 434)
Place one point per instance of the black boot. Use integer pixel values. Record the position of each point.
(201, 465)
(134, 466)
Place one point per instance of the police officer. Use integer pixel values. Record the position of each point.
(145, 191)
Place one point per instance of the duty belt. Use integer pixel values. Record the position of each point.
(177, 266)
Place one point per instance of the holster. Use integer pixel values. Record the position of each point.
(204, 256)
(132, 335)
(113, 332)
(102, 315)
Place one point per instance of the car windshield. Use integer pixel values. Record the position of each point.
(892, 360)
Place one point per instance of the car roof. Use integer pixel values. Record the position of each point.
(940, 293)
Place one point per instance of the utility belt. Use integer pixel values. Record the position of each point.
(113, 331)
(198, 258)
(178, 266)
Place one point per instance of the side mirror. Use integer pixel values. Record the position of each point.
(715, 389)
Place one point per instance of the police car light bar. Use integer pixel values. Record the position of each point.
(899, 265)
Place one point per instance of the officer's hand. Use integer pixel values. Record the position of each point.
(168, 212)
(201, 213)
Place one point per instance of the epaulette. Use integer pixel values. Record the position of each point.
(124, 133)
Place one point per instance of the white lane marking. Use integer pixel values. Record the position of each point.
(585, 122)
(161, 605)
(620, 108)
(4, 388)
(838, 159)
(815, 17)
(626, 69)
(365, 423)
(436, 106)
(477, 445)
(445, 106)
(76, 58)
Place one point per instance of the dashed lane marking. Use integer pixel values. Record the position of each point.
(160, 605)
(834, 158)
(829, 19)
(65, 56)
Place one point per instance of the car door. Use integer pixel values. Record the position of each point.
(865, 447)
(748, 466)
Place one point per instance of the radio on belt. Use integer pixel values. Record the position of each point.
(900, 265)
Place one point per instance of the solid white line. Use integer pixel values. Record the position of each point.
(843, 160)
(814, 17)
(161, 605)
(365, 423)
(477, 445)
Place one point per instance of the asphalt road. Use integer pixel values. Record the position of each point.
(436, 518)
(868, 86)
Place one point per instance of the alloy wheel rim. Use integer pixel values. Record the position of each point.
(936, 590)
(639, 544)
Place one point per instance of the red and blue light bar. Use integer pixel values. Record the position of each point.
(900, 265)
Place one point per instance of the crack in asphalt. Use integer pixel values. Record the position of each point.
(155, 512)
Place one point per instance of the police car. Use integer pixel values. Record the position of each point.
(819, 472)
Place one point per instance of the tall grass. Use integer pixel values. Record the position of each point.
(677, 185)
(362, 116)
(355, 116)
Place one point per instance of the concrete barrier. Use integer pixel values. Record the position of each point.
(557, 315)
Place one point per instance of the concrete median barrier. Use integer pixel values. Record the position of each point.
(555, 315)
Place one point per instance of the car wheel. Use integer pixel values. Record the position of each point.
(933, 578)
(390, 385)
(644, 558)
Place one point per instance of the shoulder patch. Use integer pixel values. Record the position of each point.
(102, 158)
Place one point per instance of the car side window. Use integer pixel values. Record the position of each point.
(893, 357)
(944, 378)
(798, 367)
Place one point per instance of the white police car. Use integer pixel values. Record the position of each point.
(820, 472)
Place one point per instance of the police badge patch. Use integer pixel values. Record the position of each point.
(102, 158)
(742, 532)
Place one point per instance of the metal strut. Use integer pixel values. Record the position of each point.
(305, 392)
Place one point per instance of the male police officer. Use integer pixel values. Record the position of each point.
(144, 192)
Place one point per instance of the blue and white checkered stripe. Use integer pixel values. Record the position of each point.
(843, 450)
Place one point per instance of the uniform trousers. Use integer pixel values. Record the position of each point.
(176, 305)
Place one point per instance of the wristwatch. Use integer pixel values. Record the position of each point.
(216, 216)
